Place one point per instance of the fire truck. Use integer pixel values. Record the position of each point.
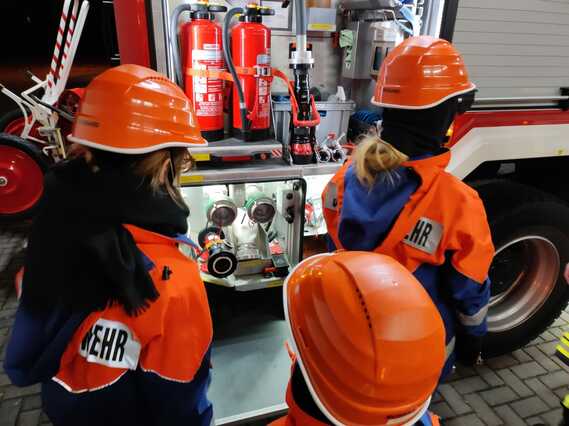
(512, 147)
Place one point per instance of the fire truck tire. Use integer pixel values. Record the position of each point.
(22, 166)
(530, 230)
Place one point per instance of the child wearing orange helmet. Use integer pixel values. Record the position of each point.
(114, 320)
(396, 198)
(368, 343)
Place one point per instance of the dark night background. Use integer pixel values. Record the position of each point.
(28, 30)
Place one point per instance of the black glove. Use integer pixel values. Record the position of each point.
(468, 349)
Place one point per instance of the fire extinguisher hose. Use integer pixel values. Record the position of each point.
(223, 75)
(229, 61)
(294, 103)
(174, 41)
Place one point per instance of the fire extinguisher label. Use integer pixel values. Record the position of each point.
(208, 92)
(207, 55)
(264, 87)
(264, 59)
(264, 92)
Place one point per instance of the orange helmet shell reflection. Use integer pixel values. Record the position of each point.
(131, 109)
(421, 73)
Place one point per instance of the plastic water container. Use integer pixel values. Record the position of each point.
(334, 118)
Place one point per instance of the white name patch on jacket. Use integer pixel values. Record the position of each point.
(110, 343)
(425, 236)
(331, 198)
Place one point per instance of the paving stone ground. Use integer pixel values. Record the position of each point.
(521, 388)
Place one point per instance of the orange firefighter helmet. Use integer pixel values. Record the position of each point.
(421, 73)
(368, 339)
(132, 109)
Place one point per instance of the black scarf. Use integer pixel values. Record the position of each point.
(79, 255)
(303, 398)
(417, 132)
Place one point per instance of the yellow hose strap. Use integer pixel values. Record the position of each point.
(566, 401)
(222, 75)
(562, 353)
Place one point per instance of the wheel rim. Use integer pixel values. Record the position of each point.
(21, 181)
(16, 127)
(523, 275)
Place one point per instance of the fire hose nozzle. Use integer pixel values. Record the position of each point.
(338, 155)
(324, 154)
(220, 262)
(330, 149)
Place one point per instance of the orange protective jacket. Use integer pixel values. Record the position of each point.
(108, 368)
(169, 339)
(449, 207)
(440, 233)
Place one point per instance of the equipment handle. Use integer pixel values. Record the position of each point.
(266, 11)
(305, 123)
(294, 103)
(216, 8)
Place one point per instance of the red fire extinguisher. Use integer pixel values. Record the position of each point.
(201, 45)
(251, 58)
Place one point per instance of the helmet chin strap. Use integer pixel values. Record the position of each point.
(171, 171)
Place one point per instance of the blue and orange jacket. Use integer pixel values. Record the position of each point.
(432, 223)
(106, 367)
(297, 417)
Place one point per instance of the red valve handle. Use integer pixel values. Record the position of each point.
(294, 104)
(305, 123)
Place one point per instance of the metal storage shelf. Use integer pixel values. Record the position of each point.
(234, 146)
(250, 342)
(243, 283)
(255, 171)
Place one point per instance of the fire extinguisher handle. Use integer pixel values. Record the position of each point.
(266, 11)
(216, 8)
(305, 123)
